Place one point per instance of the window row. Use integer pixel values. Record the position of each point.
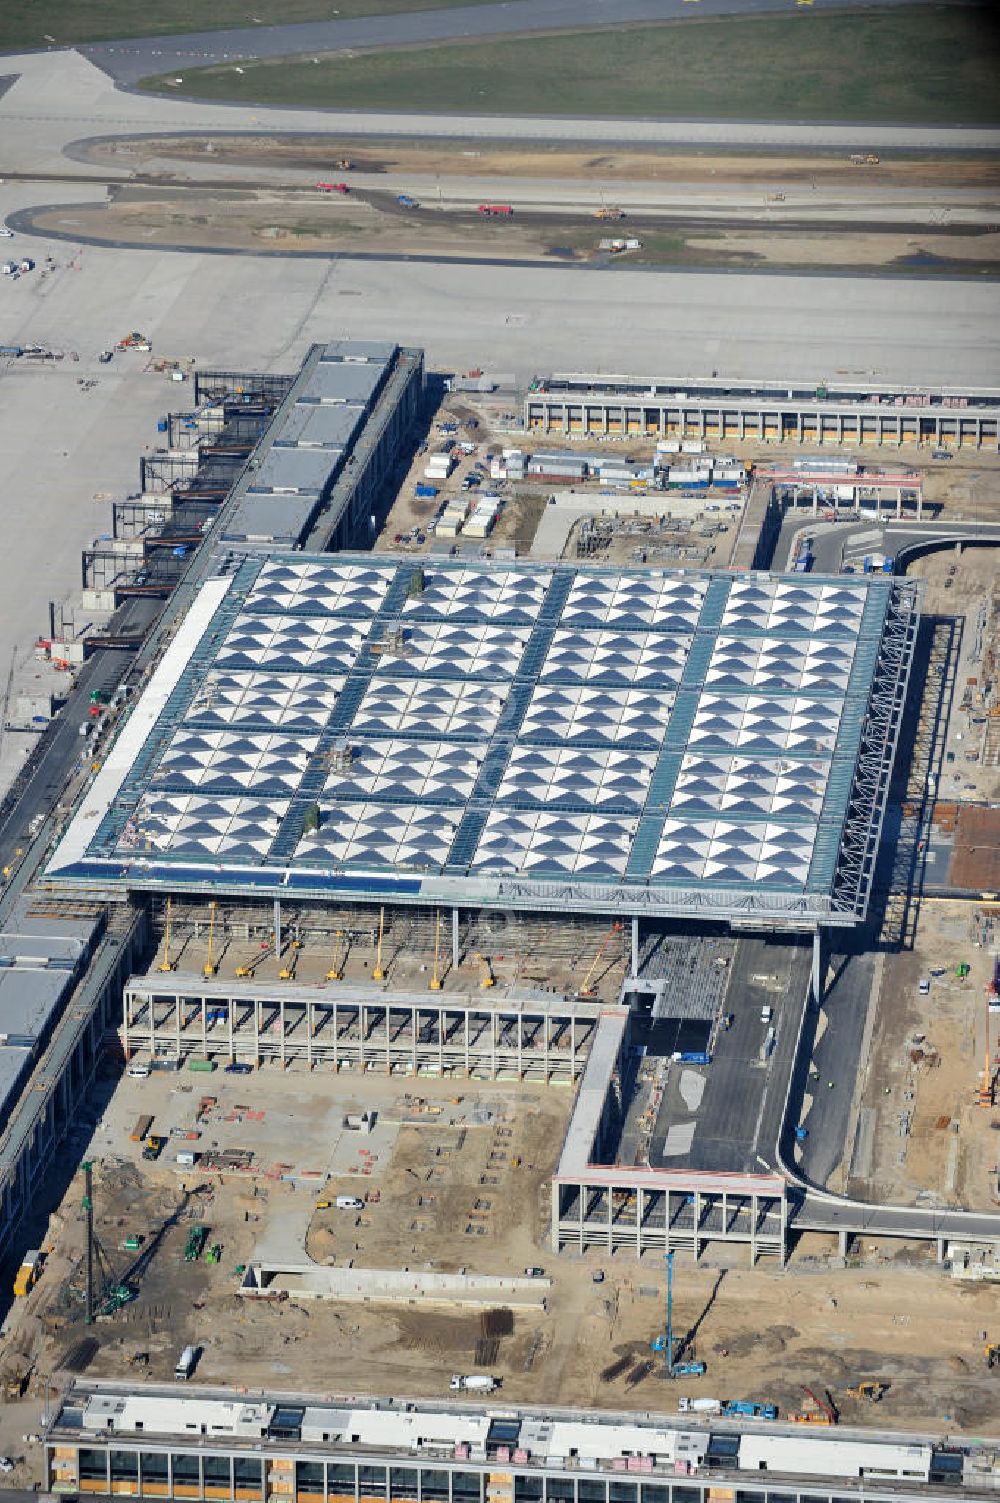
(239, 1477)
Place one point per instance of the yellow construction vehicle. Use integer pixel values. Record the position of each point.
(611, 212)
(488, 978)
(435, 981)
(248, 969)
(166, 964)
(378, 971)
(209, 968)
(992, 1354)
(871, 1389)
(337, 960)
(287, 972)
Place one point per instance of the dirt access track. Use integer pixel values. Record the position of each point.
(310, 153)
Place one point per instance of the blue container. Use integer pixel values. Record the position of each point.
(162, 425)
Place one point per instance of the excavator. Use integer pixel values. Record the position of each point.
(872, 1389)
(992, 1354)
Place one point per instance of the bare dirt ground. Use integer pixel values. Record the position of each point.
(850, 248)
(407, 953)
(763, 1333)
(472, 159)
(926, 1134)
(925, 1068)
(300, 222)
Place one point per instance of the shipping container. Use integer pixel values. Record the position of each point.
(205, 1066)
(140, 1132)
(28, 1272)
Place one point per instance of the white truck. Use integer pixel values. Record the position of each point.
(699, 1406)
(474, 1382)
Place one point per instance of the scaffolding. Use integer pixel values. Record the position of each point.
(364, 1028)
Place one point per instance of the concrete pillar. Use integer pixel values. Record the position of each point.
(555, 1217)
(640, 1204)
(697, 1224)
(817, 966)
(635, 945)
(277, 927)
(454, 938)
(842, 1237)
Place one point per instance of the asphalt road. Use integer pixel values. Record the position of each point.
(739, 1116)
(837, 1057)
(131, 59)
(60, 753)
(830, 539)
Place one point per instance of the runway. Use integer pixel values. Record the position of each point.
(131, 59)
(59, 98)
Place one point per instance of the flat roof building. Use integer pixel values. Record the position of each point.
(172, 1442)
(704, 744)
(318, 467)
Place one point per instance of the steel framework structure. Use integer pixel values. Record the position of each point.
(349, 1027)
(880, 736)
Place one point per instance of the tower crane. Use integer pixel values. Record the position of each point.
(209, 968)
(166, 964)
(586, 989)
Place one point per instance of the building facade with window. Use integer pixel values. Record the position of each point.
(181, 1442)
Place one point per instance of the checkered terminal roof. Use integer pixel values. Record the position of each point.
(507, 735)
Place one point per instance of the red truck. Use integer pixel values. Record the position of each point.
(333, 188)
(496, 211)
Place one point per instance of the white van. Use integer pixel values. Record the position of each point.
(138, 1069)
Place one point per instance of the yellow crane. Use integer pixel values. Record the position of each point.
(586, 990)
(337, 962)
(247, 969)
(435, 981)
(209, 968)
(166, 964)
(378, 972)
(488, 978)
(287, 972)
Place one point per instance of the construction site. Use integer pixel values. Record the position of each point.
(507, 921)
